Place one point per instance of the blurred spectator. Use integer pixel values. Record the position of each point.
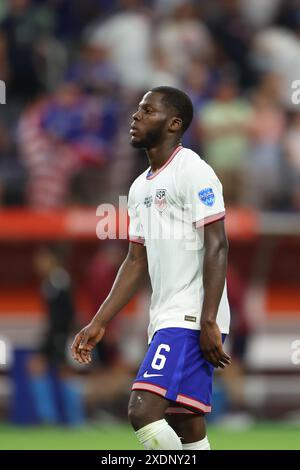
(12, 177)
(127, 35)
(57, 296)
(27, 31)
(289, 15)
(48, 367)
(4, 67)
(100, 276)
(3, 9)
(49, 164)
(262, 180)
(240, 331)
(234, 35)
(198, 82)
(224, 125)
(184, 33)
(161, 71)
(94, 71)
(71, 16)
(119, 353)
(164, 7)
(59, 138)
(292, 146)
(278, 50)
(260, 13)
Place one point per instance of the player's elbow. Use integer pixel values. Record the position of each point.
(137, 264)
(224, 245)
(217, 250)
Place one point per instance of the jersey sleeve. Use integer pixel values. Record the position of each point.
(202, 192)
(135, 230)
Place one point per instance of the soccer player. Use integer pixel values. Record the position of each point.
(176, 233)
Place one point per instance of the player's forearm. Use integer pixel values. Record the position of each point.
(130, 277)
(214, 275)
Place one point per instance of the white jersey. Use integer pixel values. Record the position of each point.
(166, 210)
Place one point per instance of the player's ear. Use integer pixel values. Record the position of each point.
(175, 124)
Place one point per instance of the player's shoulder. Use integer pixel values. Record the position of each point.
(191, 162)
(138, 182)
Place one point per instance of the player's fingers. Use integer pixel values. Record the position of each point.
(88, 356)
(222, 365)
(221, 355)
(83, 342)
(226, 357)
(224, 354)
(211, 357)
(85, 355)
(74, 347)
(225, 360)
(75, 343)
(80, 356)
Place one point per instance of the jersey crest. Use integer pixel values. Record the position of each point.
(160, 199)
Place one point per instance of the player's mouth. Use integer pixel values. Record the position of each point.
(133, 130)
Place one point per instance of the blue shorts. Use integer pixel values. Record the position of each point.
(174, 368)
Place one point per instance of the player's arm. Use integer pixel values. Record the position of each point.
(128, 280)
(214, 274)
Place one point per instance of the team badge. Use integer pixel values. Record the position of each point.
(207, 196)
(160, 199)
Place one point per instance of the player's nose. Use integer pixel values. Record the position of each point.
(136, 116)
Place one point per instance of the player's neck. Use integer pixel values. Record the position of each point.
(159, 155)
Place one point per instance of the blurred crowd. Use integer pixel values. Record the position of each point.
(75, 71)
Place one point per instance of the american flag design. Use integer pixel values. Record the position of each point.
(160, 199)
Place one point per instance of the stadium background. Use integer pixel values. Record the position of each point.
(74, 73)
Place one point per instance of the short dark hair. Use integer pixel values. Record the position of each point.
(179, 101)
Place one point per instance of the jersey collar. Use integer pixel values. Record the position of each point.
(150, 175)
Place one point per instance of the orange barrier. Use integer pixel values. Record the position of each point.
(22, 229)
(81, 224)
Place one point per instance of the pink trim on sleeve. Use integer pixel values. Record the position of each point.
(210, 219)
(139, 240)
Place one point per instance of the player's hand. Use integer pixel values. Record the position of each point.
(211, 345)
(85, 341)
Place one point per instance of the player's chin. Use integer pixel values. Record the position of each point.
(137, 143)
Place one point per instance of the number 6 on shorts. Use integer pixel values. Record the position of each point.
(159, 360)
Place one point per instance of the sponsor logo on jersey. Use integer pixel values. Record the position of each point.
(151, 375)
(207, 196)
(160, 199)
